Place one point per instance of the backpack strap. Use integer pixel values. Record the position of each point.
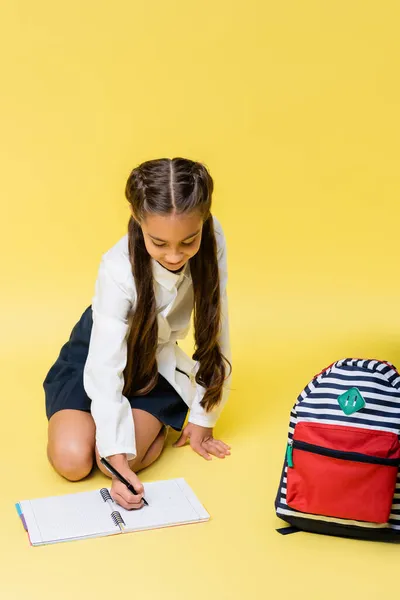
(287, 530)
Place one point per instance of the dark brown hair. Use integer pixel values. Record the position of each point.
(163, 187)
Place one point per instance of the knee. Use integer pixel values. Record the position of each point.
(71, 459)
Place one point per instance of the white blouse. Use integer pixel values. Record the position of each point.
(113, 300)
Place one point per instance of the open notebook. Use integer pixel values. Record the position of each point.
(94, 514)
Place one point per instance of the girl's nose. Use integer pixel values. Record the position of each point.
(174, 259)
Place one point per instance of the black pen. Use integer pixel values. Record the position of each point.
(121, 478)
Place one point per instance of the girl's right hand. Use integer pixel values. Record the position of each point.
(120, 492)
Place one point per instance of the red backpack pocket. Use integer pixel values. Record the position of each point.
(341, 471)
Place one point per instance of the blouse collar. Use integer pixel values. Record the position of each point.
(168, 279)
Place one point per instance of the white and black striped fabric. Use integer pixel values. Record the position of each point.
(379, 384)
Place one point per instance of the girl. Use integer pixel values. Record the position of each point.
(122, 379)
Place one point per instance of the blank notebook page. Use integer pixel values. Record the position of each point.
(69, 517)
(171, 502)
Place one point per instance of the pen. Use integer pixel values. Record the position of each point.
(121, 478)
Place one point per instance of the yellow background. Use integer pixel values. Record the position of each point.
(294, 106)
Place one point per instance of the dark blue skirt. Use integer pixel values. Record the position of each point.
(64, 389)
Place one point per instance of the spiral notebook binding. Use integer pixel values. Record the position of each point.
(105, 494)
(116, 517)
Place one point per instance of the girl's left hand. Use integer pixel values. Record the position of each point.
(202, 441)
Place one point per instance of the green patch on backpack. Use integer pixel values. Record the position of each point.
(351, 401)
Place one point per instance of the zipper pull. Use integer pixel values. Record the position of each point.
(289, 455)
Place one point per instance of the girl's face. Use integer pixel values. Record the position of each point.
(172, 239)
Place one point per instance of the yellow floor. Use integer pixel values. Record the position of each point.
(294, 106)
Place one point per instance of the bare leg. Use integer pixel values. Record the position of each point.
(150, 439)
(154, 451)
(71, 443)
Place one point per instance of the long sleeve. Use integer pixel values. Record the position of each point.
(198, 415)
(106, 361)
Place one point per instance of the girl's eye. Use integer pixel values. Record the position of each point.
(158, 245)
(188, 243)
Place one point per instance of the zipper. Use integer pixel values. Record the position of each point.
(353, 456)
(289, 454)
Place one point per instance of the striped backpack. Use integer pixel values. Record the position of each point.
(340, 475)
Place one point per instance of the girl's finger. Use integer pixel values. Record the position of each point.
(223, 444)
(181, 441)
(137, 484)
(223, 447)
(128, 505)
(213, 448)
(131, 500)
(200, 450)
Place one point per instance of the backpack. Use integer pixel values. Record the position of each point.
(341, 469)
